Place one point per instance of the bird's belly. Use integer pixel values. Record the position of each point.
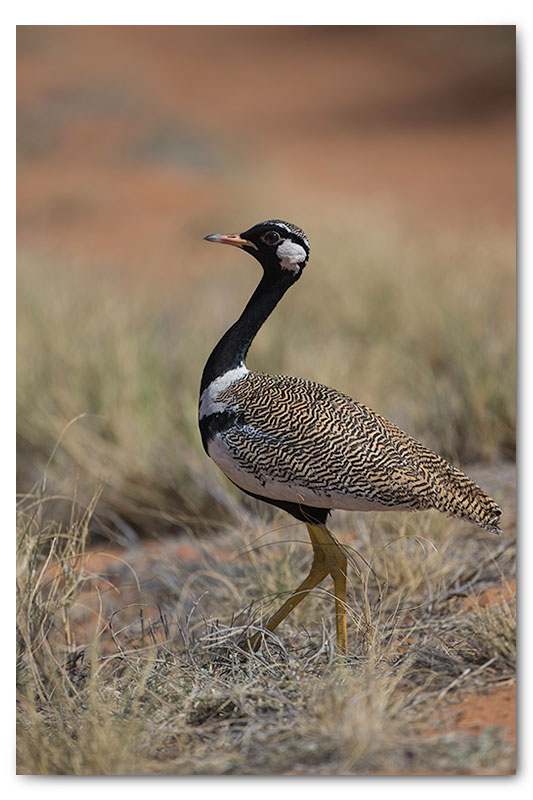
(292, 491)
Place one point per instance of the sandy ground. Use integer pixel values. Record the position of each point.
(154, 132)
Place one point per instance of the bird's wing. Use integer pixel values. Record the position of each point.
(317, 446)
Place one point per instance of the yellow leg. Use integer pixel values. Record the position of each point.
(318, 572)
(328, 558)
(336, 563)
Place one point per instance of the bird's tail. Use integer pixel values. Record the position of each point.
(458, 496)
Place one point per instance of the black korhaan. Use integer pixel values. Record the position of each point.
(306, 448)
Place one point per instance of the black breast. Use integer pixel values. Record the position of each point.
(218, 423)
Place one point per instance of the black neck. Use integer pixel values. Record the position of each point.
(231, 350)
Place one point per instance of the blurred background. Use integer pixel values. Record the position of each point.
(393, 148)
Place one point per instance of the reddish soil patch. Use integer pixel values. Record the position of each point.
(496, 709)
(122, 583)
(494, 596)
(475, 714)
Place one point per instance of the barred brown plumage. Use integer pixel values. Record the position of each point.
(329, 450)
(307, 448)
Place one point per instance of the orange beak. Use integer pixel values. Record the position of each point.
(230, 238)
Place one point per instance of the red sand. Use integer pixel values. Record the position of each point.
(131, 138)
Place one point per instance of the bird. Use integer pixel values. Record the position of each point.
(308, 449)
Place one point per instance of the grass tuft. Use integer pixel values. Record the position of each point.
(141, 667)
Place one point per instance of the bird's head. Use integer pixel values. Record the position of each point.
(280, 247)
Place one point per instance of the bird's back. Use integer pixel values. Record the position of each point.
(296, 440)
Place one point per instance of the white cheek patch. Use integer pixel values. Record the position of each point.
(291, 255)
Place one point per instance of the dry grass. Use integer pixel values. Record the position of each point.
(139, 668)
(113, 371)
(153, 677)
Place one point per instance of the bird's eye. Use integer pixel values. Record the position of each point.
(271, 237)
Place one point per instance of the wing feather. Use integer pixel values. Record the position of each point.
(320, 446)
